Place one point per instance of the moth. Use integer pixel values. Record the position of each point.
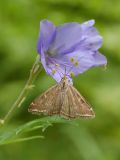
(64, 100)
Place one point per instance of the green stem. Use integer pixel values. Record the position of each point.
(35, 70)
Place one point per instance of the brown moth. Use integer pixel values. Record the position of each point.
(64, 100)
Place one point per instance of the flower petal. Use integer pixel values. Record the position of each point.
(57, 75)
(99, 59)
(51, 68)
(91, 39)
(43, 59)
(82, 61)
(47, 32)
(74, 63)
(70, 49)
(91, 43)
(67, 35)
(87, 24)
(70, 36)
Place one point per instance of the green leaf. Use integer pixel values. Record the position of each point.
(22, 139)
(12, 136)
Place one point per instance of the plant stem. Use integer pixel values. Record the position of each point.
(35, 70)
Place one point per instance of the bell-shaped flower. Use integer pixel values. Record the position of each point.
(69, 49)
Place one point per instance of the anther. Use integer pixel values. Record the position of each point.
(72, 59)
(72, 74)
(57, 65)
(76, 63)
(53, 71)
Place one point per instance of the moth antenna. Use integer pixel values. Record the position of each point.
(59, 74)
(65, 70)
(70, 69)
(62, 72)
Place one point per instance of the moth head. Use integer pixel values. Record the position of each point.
(66, 80)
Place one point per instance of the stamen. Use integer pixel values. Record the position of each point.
(72, 59)
(57, 65)
(53, 71)
(76, 63)
(72, 74)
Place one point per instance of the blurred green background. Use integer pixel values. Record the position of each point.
(97, 139)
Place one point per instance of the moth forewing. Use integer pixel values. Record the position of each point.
(45, 102)
(84, 109)
(62, 99)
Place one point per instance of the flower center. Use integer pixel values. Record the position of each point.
(50, 53)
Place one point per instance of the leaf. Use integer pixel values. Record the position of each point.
(23, 139)
(12, 136)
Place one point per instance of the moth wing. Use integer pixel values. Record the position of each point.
(74, 105)
(48, 103)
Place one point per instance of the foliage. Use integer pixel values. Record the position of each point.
(12, 136)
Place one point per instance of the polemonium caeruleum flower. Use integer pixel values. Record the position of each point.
(70, 48)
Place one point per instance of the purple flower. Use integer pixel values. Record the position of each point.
(69, 49)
